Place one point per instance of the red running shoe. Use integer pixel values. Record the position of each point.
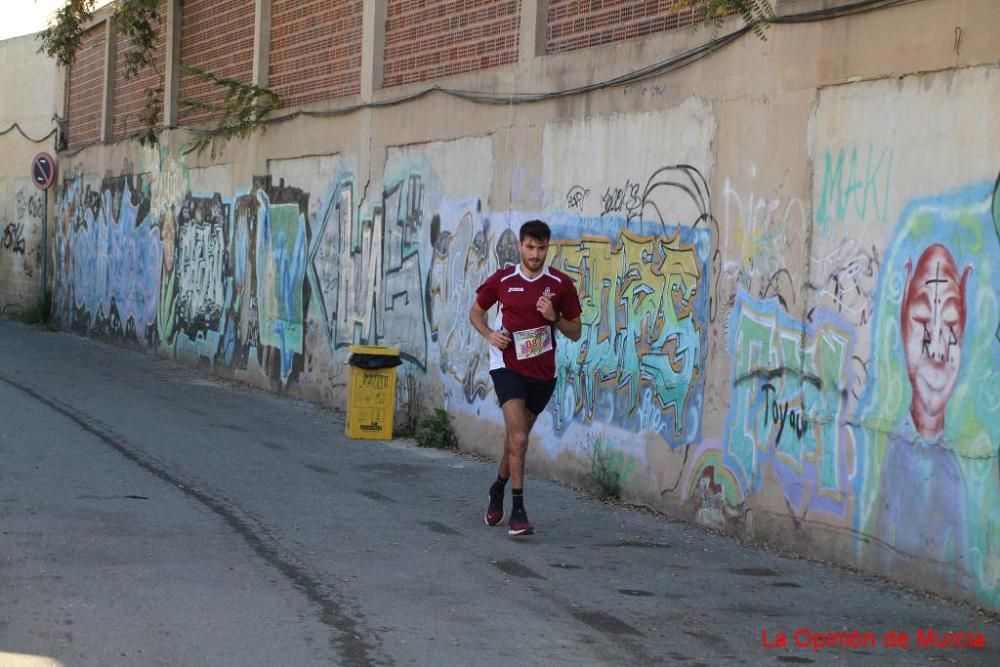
(519, 524)
(494, 512)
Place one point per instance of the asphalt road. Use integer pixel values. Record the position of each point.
(151, 514)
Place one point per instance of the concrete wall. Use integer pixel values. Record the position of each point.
(31, 96)
(786, 252)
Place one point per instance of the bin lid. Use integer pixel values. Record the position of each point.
(374, 349)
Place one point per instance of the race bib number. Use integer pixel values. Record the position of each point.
(532, 342)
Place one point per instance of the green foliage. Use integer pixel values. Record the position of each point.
(150, 117)
(755, 13)
(61, 40)
(435, 430)
(138, 20)
(242, 110)
(608, 468)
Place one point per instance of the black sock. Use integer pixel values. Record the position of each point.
(498, 486)
(518, 496)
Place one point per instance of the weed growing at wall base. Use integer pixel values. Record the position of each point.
(608, 468)
(435, 430)
(407, 396)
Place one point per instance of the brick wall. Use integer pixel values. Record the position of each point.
(216, 36)
(578, 24)
(86, 90)
(315, 50)
(427, 39)
(129, 97)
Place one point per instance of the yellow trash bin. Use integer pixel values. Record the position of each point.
(371, 391)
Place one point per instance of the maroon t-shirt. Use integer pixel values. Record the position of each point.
(532, 351)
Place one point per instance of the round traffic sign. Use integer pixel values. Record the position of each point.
(43, 171)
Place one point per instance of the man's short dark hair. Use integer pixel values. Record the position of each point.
(536, 229)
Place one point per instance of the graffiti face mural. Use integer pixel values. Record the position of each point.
(932, 319)
(928, 422)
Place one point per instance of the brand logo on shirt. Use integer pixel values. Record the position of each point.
(547, 293)
(515, 289)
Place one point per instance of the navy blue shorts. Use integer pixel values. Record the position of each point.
(510, 384)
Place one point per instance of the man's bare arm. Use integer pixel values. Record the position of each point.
(477, 316)
(570, 328)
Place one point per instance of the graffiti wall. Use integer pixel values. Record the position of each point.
(928, 423)
(789, 411)
(811, 358)
(863, 385)
(635, 228)
(21, 220)
(927, 416)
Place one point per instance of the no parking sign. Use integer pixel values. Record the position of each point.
(43, 171)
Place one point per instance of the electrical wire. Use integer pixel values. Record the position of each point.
(479, 97)
(650, 71)
(17, 127)
(860, 7)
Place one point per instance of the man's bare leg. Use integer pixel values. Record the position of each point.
(518, 422)
(517, 426)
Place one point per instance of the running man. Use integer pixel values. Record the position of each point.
(534, 301)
